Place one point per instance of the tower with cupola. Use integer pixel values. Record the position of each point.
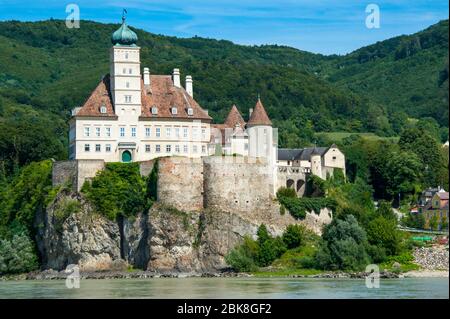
(125, 74)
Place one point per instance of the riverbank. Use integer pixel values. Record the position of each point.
(61, 275)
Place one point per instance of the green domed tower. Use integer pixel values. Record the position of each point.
(124, 35)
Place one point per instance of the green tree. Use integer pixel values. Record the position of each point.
(429, 151)
(17, 255)
(343, 246)
(383, 232)
(294, 236)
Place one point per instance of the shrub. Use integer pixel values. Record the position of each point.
(242, 258)
(286, 192)
(270, 250)
(17, 255)
(294, 236)
(306, 262)
(377, 254)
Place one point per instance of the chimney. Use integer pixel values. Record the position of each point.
(250, 111)
(207, 112)
(189, 88)
(176, 78)
(146, 77)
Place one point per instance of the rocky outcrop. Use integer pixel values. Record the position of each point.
(164, 240)
(70, 233)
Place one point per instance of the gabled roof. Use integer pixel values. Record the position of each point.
(259, 115)
(442, 195)
(161, 93)
(234, 118)
(99, 97)
(164, 95)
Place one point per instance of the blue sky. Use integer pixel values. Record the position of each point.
(321, 26)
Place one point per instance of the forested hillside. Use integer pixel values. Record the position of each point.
(47, 69)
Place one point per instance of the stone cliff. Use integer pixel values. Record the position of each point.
(164, 239)
(204, 208)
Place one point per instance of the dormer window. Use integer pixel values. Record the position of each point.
(174, 110)
(190, 111)
(103, 109)
(154, 110)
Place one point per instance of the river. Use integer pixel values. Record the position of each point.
(202, 288)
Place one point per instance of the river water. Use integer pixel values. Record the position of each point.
(203, 288)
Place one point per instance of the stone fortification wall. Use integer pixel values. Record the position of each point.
(75, 172)
(180, 183)
(236, 185)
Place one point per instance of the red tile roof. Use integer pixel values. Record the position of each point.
(162, 94)
(99, 97)
(234, 117)
(259, 115)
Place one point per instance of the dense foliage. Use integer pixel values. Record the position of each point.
(118, 190)
(252, 254)
(344, 246)
(17, 252)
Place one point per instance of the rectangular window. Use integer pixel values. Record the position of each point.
(246, 148)
(133, 132)
(185, 148)
(177, 148)
(87, 131)
(203, 134)
(194, 149)
(168, 148)
(195, 133)
(158, 132)
(108, 148)
(157, 148)
(168, 132)
(147, 148)
(185, 132)
(97, 147)
(97, 131)
(147, 132)
(108, 132)
(87, 147)
(204, 149)
(130, 71)
(177, 132)
(122, 131)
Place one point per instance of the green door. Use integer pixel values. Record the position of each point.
(126, 156)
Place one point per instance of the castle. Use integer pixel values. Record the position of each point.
(131, 117)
